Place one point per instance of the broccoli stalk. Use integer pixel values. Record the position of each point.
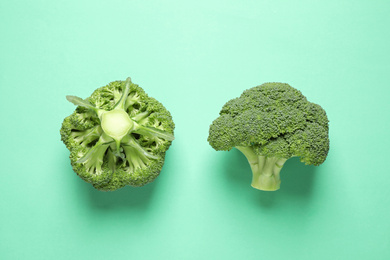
(118, 136)
(265, 170)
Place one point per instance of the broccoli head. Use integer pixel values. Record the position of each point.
(118, 136)
(269, 124)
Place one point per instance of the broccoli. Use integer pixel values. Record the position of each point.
(269, 124)
(118, 136)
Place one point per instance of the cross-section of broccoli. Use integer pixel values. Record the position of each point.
(118, 136)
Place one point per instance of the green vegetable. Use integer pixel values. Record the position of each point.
(269, 124)
(118, 136)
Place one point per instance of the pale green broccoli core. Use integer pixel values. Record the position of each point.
(265, 169)
(116, 123)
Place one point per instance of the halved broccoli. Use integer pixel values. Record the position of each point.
(269, 124)
(118, 136)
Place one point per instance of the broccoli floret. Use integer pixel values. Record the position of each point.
(269, 124)
(118, 136)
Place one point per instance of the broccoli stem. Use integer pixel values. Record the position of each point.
(125, 93)
(84, 103)
(152, 132)
(265, 170)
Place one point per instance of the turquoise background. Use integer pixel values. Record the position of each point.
(193, 56)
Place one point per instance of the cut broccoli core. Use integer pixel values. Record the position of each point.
(116, 123)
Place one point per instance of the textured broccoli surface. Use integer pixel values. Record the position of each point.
(118, 136)
(269, 124)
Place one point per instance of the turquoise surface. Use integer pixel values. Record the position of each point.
(193, 56)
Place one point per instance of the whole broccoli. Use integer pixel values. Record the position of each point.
(269, 124)
(118, 136)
